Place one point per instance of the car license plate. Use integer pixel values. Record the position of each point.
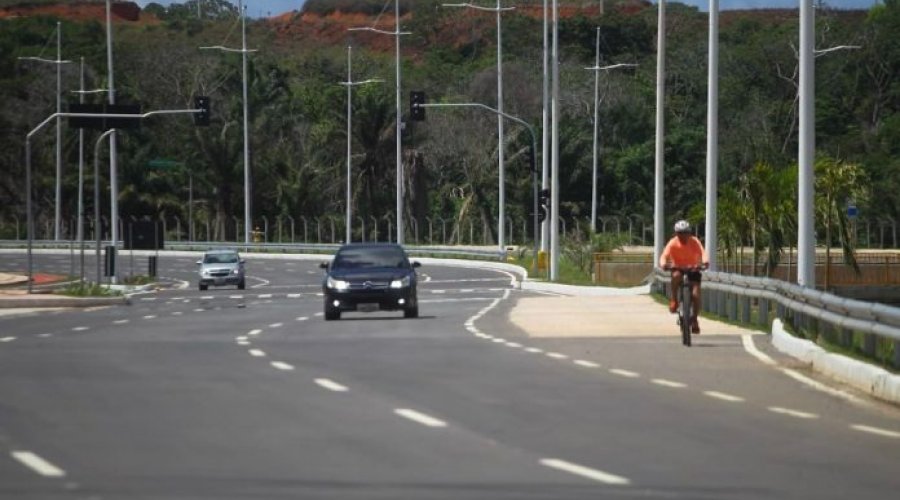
(367, 307)
(220, 281)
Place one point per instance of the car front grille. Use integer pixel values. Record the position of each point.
(369, 285)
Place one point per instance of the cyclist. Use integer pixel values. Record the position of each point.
(685, 251)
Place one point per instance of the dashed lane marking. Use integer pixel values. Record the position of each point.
(331, 385)
(669, 383)
(876, 430)
(419, 417)
(276, 325)
(282, 366)
(303, 318)
(497, 340)
(294, 295)
(264, 296)
(586, 364)
(515, 345)
(7, 339)
(586, 472)
(235, 296)
(80, 328)
(199, 309)
(44, 335)
(724, 397)
(38, 464)
(257, 353)
(240, 338)
(319, 314)
(243, 342)
(254, 332)
(792, 413)
(177, 313)
(150, 316)
(624, 373)
(207, 297)
(557, 355)
(534, 350)
(121, 321)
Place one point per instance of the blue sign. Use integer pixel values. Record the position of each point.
(852, 211)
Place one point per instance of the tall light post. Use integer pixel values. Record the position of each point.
(545, 125)
(248, 221)
(501, 216)
(596, 68)
(806, 237)
(396, 33)
(554, 149)
(57, 235)
(350, 84)
(712, 137)
(658, 208)
(113, 151)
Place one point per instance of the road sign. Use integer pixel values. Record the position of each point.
(852, 211)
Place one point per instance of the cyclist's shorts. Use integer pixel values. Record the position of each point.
(694, 276)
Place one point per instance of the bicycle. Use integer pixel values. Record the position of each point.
(685, 301)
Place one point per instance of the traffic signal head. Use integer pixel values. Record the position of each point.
(416, 112)
(201, 119)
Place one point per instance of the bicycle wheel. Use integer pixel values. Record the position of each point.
(686, 315)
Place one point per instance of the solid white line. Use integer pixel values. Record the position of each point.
(303, 318)
(331, 385)
(877, 431)
(282, 366)
(257, 353)
(580, 470)
(534, 350)
(38, 464)
(94, 309)
(669, 383)
(750, 347)
(421, 418)
(792, 413)
(586, 364)
(724, 397)
(624, 373)
(276, 325)
(79, 328)
(822, 387)
(556, 355)
(7, 339)
(254, 332)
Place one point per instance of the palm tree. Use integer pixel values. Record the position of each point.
(838, 184)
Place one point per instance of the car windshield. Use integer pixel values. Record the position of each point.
(220, 258)
(356, 258)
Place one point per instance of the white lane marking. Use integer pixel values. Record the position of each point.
(303, 318)
(38, 464)
(498, 340)
(438, 292)
(294, 295)
(177, 313)
(150, 316)
(199, 309)
(467, 290)
(799, 377)
(7, 339)
(724, 397)
(450, 301)
(94, 309)
(792, 413)
(586, 364)
(624, 373)
(186, 301)
(319, 314)
(207, 297)
(240, 338)
(79, 328)
(331, 385)
(669, 383)
(556, 355)
(421, 418)
(235, 296)
(257, 353)
(750, 347)
(262, 284)
(282, 366)
(264, 296)
(276, 325)
(513, 344)
(44, 335)
(254, 332)
(876, 430)
(121, 321)
(243, 342)
(148, 299)
(481, 335)
(534, 350)
(587, 472)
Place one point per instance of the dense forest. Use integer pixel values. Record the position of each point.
(298, 116)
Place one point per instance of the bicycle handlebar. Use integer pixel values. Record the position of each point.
(686, 269)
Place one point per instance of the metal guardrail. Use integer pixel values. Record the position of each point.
(732, 295)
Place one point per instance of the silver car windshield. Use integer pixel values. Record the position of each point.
(220, 258)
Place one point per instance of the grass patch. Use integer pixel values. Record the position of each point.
(139, 279)
(87, 290)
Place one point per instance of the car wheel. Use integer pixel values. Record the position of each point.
(412, 312)
(203, 287)
(241, 285)
(332, 314)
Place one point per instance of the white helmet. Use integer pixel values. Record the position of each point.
(682, 226)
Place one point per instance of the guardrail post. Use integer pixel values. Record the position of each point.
(897, 354)
(732, 307)
(847, 337)
(869, 345)
(721, 299)
(745, 310)
(763, 316)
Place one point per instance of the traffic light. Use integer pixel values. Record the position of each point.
(543, 204)
(201, 119)
(416, 112)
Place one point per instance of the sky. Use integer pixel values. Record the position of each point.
(260, 8)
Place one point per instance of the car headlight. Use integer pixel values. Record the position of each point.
(334, 284)
(400, 283)
(205, 272)
(235, 271)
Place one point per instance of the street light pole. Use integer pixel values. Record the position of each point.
(501, 215)
(350, 84)
(554, 149)
(806, 237)
(243, 51)
(712, 137)
(396, 33)
(113, 152)
(58, 62)
(545, 126)
(597, 69)
(658, 210)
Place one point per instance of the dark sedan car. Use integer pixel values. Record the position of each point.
(368, 277)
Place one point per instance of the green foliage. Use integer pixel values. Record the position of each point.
(88, 290)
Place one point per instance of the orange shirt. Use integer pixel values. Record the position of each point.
(691, 253)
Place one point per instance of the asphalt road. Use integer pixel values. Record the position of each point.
(250, 394)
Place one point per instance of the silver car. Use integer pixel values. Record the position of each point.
(221, 268)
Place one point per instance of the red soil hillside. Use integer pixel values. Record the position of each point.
(77, 11)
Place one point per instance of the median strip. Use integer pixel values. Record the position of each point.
(586, 472)
(420, 418)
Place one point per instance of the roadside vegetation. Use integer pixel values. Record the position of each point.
(82, 289)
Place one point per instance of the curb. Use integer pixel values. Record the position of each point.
(873, 380)
(31, 303)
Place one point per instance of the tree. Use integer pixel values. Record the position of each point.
(838, 184)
